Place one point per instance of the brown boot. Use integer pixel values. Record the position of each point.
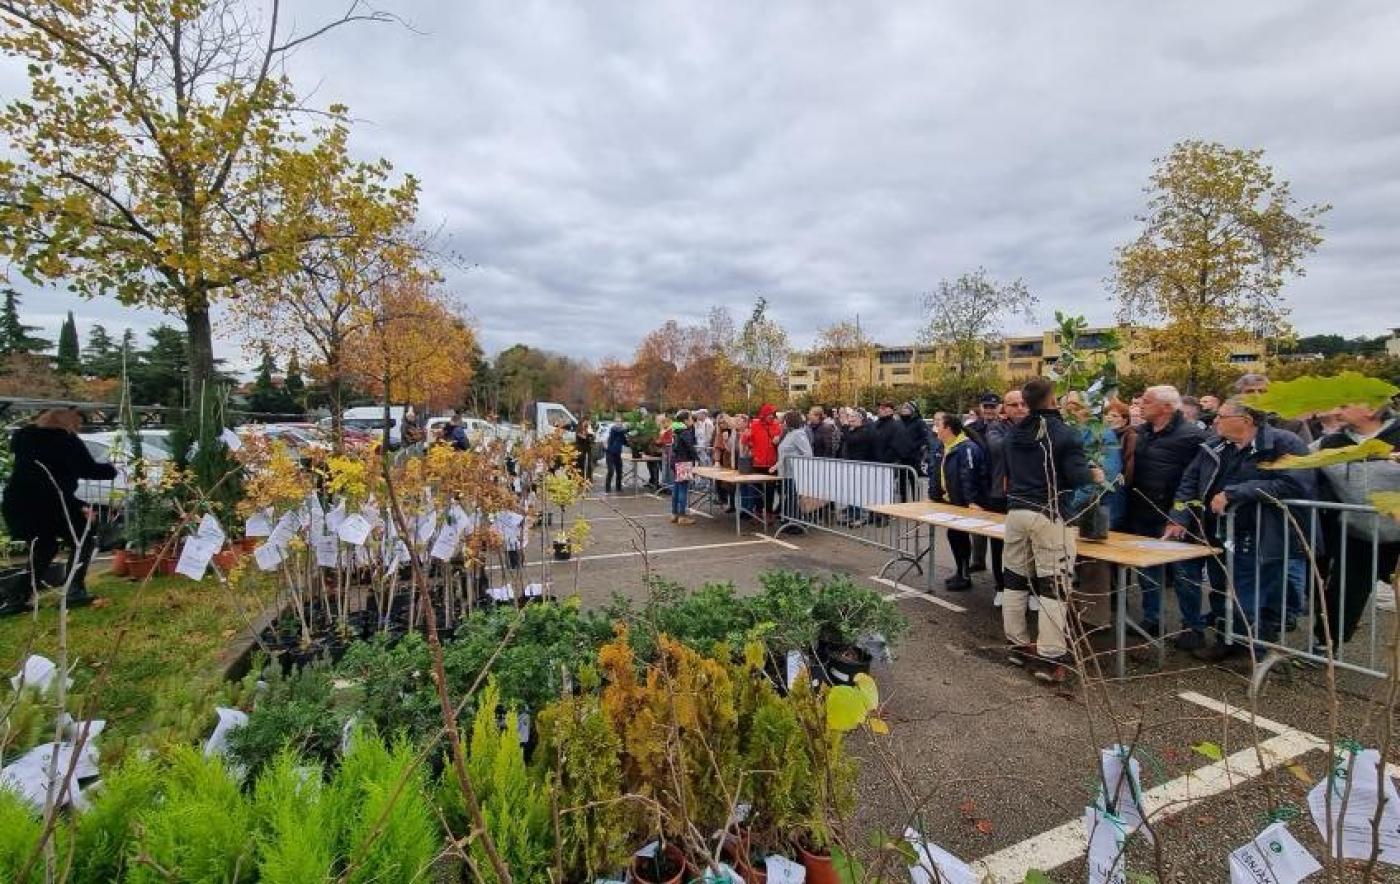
(685, 520)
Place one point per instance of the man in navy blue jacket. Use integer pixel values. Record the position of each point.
(613, 447)
(1230, 473)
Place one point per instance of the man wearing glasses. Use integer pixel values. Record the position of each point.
(1230, 473)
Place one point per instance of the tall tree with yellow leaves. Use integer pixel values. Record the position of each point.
(1220, 237)
(140, 153)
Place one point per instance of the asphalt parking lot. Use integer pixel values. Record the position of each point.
(993, 765)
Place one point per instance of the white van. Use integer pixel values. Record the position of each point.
(370, 419)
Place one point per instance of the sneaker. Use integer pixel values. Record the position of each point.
(1054, 670)
(857, 523)
(1020, 655)
(1190, 640)
(957, 583)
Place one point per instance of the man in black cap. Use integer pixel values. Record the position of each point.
(988, 414)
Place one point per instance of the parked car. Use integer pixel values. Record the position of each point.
(114, 447)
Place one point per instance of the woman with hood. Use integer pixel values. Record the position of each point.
(912, 446)
(762, 438)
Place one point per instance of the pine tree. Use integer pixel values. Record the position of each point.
(295, 385)
(68, 347)
(101, 357)
(267, 398)
(15, 336)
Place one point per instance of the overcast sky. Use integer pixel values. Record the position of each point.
(605, 166)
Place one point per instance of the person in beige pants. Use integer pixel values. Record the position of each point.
(1044, 465)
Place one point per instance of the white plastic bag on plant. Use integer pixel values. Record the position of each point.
(38, 672)
(933, 858)
(229, 721)
(782, 870)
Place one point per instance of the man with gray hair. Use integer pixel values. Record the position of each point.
(1252, 383)
(1167, 443)
(1231, 474)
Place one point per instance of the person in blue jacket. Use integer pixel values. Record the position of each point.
(957, 474)
(613, 448)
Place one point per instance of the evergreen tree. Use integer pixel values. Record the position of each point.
(101, 358)
(15, 336)
(267, 398)
(68, 347)
(295, 385)
(158, 373)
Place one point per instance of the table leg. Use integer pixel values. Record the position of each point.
(928, 567)
(738, 509)
(1121, 623)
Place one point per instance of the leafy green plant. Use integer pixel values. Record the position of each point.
(298, 711)
(846, 613)
(386, 833)
(704, 618)
(104, 833)
(1308, 395)
(785, 611)
(294, 844)
(514, 801)
(582, 753)
(20, 828)
(201, 830)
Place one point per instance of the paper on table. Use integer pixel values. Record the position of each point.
(229, 720)
(1273, 857)
(502, 594)
(354, 530)
(1160, 544)
(195, 556)
(968, 522)
(1353, 833)
(938, 517)
(268, 557)
(1106, 835)
(230, 438)
(933, 858)
(258, 524)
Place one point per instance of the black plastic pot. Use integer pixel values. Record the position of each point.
(840, 664)
(1093, 522)
(562, 553)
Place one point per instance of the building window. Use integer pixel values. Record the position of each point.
(1025, 350)
(799, 388)
(1092, 341)
(889, 357)
(1242, 358)
(799, 372)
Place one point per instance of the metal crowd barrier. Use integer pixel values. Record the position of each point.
(833, 495)
(1330, 553)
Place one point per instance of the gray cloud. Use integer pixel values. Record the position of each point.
(609, 165)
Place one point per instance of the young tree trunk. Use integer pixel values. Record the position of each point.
(201, 349)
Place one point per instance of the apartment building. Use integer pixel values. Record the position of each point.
(1018, 356)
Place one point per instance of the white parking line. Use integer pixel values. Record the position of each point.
(783, 543)
(655, 552)
(909, 592)
(1067, 842)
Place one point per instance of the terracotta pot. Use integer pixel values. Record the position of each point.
(246, 544)
(674, 857)
(736, 851)
(820, 869)
(139, 566)
(226, 559)
(119, 565)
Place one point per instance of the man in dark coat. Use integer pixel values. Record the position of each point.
(41, 505)
(1013, 407)
(1229, 474)
(1045, 468)
(1167, 443)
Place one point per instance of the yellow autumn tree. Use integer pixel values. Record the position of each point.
(137, 160)
(1220, 237)
(410, 345)
(843, 353)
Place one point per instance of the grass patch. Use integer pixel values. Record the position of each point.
(158, 643)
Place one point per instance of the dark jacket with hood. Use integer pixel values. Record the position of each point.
(617, 438)
(682, 444)
(995, 435)
(1159, 461)
(41, 495)
(1222, 466)
(859, 442)
(888, 434)
(1039, 450)
(915, 441)
(958, 475)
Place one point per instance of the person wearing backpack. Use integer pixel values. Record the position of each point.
(957, 474)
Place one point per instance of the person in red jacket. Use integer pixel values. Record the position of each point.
(762, 438)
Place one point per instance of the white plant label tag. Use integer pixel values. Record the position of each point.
(210, 528)
(936, 864)
(1352, 834)
(354, 530)
(1124, 783)
(782, 870)
(195, 556)
(229, 720)
(1273, 857)
(1106, 835)
(258, 525)
(268, 557)
(230, 438)
(327, 551)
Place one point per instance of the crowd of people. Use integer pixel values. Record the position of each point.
(1160, 465)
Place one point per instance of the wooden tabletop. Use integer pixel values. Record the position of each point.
(1130, 550)
(720, 474)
